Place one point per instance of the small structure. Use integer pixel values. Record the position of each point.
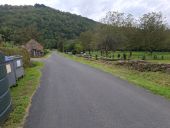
(34, 48)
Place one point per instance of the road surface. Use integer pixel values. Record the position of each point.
(73, 95)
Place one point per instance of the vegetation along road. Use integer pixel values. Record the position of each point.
(73, 95)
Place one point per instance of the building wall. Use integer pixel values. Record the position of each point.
(36, 53)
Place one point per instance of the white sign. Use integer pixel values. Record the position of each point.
(18, 63)
(8, 68)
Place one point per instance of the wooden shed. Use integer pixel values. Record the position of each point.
(34, 48)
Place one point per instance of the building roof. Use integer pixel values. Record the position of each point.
(33, 44)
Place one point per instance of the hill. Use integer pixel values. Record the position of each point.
(20, 23)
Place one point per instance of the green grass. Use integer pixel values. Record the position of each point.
(22, 94)
(48, 54)
(156, 82)
(161, 56)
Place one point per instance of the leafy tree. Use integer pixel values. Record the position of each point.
(109, 39)
(152, 28)
(74, 46)
(6, 33)
(25, 34)
(61, 46)
(87, 40)
(69, 46)
(78, 47)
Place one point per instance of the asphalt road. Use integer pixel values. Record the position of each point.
(73, 95)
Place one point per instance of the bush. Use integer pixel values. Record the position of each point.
(143, 57)
(130, 55)
(46, 51)
(18, 51)
(162, 57)
(118, 56)
(113, 56)
(124, 56)
(74, 52)
(96, 57)
(155, 57)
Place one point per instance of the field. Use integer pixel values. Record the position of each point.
(155, 57)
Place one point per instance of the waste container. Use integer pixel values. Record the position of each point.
(5, 98)
(9, 61)
(18, 66)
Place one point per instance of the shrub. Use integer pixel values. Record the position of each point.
(162, 57)
(155, 57)
(124, 56)
(118, 56)
(143, 57)
(74, 52)
(113, 56)
(46, 51)
(96, 57)
(17, 51)
(130, 55)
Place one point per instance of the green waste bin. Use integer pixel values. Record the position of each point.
(18, 66)
(5, 98)
(9, 61)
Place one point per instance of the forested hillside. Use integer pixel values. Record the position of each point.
(18, 24)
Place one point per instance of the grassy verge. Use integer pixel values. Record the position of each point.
(156, 82)
(22, 94)
(160, 61)
(48, 54)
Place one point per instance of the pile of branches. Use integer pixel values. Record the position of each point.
(144, 66)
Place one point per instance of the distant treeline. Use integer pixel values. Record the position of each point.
(18, 24)
(121, 31)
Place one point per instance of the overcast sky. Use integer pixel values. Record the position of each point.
(96, 9)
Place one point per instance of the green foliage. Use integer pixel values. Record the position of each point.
(46, 51)
(124, 56)
(69, 46)
(46, 25)
(87, 40)
(120, 31)
(8, 45)
(153, 31)
(78, 47)
(143, 57)
(60, 46)
(74, 46)
(17, 51)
